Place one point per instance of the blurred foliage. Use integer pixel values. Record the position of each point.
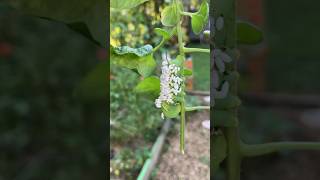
(259, 125)
(129, 161)
(133, 119)
(293, 63)
(201, 69)
(134, 27)
(85, 17)
(131, 115)
(41, 121)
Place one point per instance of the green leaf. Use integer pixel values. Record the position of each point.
(170, 110)
(142, 51)
(224, 118)
(200, 19)
(187, 72)
(170, 16)
(219, 146)
(86, 17)
(204, 10)
(146, 65)
(149, 85)
(94, 86)
(125, 4)
(129, 61)
(197, 23)
(178, 61)
(248, 33)
(162, 32)
(140, 59)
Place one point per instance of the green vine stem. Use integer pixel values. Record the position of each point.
(234, 156)
(182, 54)
(195, 108)
(163, 41)
(187, 13)
(267, 148)
(192, 50)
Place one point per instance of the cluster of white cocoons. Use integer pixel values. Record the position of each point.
(170, 83)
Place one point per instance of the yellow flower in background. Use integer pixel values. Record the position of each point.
(142, 28)
(117, 172)
(114, 42)
(117, 30)
(131, 27)
(128, 38)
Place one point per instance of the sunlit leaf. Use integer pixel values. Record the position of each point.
(162, 32)
(125, 4)
(140, 59)
(149, 85)
(170, 16)
(200, 19)
(146, 65)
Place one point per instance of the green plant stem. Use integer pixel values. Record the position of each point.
(182, 127)
(267, 148)
(187, 13)
(163, 41)
(197, 108)
(180, 40)
(182, 114)
(234, 156)
(192, 50)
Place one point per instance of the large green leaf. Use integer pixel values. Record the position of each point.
(86, 17)
(219, 146)
(94, 86)
(125, 4)
(248, 33)
(170, 16)
(200, 19)
(149, 85)
(146, 65)
(140, 59)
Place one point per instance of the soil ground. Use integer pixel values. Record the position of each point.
(194, 164)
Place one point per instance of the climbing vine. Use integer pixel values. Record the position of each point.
(168, 90)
